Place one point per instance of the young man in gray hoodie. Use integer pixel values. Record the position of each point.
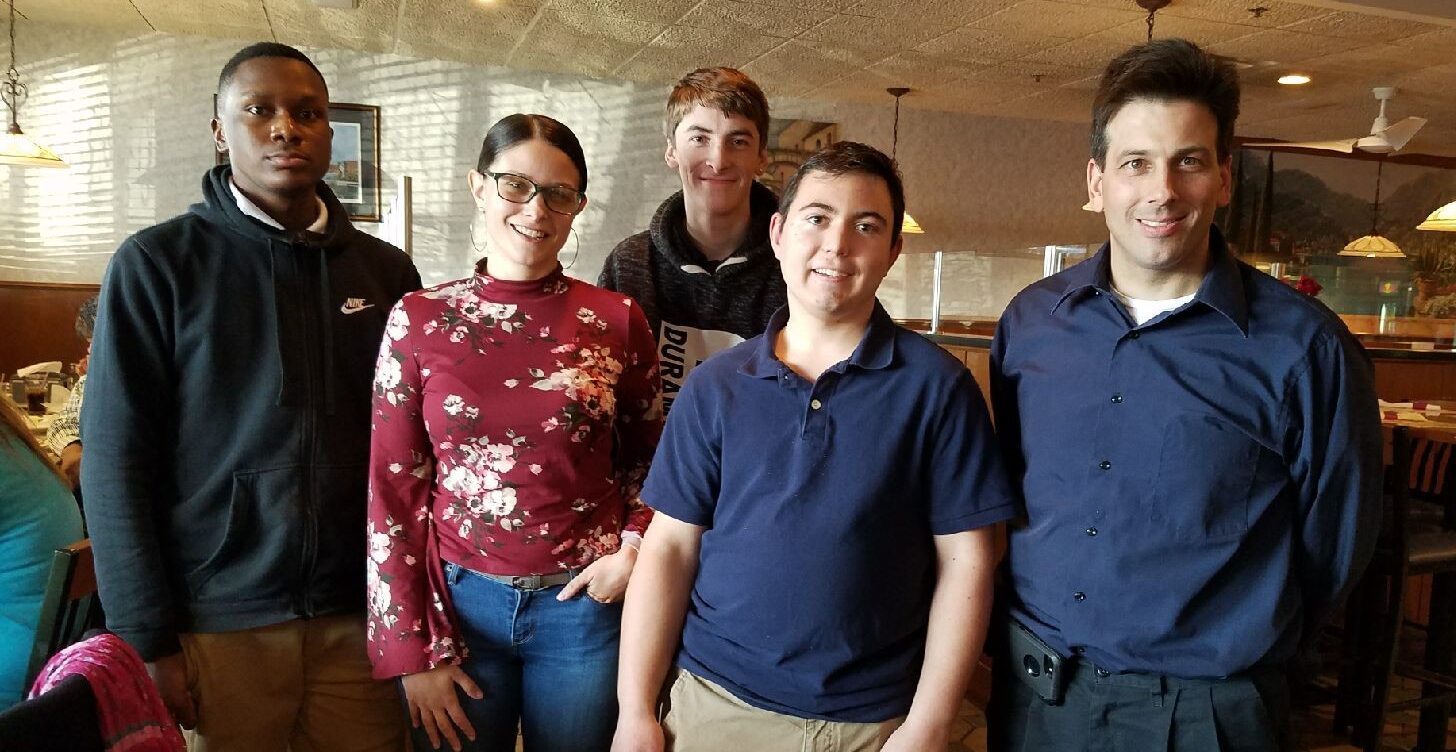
(703, 271)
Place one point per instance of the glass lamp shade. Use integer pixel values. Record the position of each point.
(1372, 246)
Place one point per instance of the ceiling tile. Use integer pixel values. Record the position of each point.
(920, 71)
(1277, 45)
(793, 68)
(982, 46)
(117, 14)
(1361, 26)
(826, 6)
(472, 33)
(1197, 30)
(943, 13)
(680, 49)
(733, 16)
(661, 11)
(869, 33)
(1044, 18)
(167, 15)
(1277, 13)
(598, 44)
(1092, 51)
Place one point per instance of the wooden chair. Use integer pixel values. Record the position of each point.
(1414, 542)
(70, 605)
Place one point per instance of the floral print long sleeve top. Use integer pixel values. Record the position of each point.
(513, 427)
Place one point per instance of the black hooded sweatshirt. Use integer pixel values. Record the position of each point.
(227, 419)
(697, 308)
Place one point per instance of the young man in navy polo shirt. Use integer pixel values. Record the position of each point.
(819, 567)
(1197, 444)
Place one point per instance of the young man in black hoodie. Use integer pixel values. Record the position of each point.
(704, 272)
(227, 433)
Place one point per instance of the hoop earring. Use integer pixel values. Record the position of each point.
(471, 232)
(575, 251)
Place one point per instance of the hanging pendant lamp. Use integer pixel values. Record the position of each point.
(1441, 220)
(1374, 245)
(908, 226)
(16, 148)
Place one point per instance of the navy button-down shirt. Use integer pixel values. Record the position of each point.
(1200, 490)
(819, 501)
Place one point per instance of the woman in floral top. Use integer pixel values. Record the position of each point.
(515, 413)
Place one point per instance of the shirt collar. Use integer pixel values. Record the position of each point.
(876, 349)
(246, 206)
(1222, 288)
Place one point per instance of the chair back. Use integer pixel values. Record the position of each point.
(69, 606)
(1431, 477)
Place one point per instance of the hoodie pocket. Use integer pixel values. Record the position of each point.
(257, 558)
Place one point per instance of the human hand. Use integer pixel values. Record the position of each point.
(918, 737)
(639, 733)
(71, 463)
(169, 673)
(434, 704)
(604, 580)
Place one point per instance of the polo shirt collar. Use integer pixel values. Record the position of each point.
(1222, 288)
(876, 350)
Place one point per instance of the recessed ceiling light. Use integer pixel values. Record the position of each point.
(1294, 79)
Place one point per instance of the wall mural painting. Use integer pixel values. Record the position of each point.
(1299, 210)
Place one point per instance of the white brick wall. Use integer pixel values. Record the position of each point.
(130, 115)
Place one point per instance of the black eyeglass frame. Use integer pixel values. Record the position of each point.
(537, 188)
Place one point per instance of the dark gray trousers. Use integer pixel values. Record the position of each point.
(1104, 712)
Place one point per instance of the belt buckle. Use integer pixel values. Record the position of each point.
(527, 582)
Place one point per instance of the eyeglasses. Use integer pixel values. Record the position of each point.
(519, 189)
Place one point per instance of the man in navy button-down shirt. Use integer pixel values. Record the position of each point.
(1197, 445)
(819, 567)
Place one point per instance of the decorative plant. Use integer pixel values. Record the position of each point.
(1430, 261)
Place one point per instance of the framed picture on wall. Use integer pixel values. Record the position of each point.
(354, 169)
(353, 173)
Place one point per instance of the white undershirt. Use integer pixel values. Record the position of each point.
(1143, 311)
(246, 206)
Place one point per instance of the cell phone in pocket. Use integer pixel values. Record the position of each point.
(1038, 665)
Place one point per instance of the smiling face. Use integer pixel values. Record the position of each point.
(835, 245)
(524, 239)
(273, 120)
(1159, 188)
(717, 157)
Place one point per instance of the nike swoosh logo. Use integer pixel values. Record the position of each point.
(348, 309)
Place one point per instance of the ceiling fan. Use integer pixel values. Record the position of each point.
(1384, 138)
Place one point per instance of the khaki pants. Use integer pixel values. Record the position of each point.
(303, 685)
(701, 716)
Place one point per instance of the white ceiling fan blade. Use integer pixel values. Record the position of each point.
(1400, 134)
(1346, 145)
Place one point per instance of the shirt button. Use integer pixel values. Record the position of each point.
(1133, 335)
(1079, 650)
(1117, 399)
(1079, 596)
(815, 404)
(1091, 531)
(1105, 465)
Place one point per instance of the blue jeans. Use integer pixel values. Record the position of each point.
(547, 665)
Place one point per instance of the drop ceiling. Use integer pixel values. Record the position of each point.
(1021, 58)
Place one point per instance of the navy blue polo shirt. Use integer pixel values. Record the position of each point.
(1199, 490)
(819, 502)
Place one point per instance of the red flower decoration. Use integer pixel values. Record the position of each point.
(1308, 286)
